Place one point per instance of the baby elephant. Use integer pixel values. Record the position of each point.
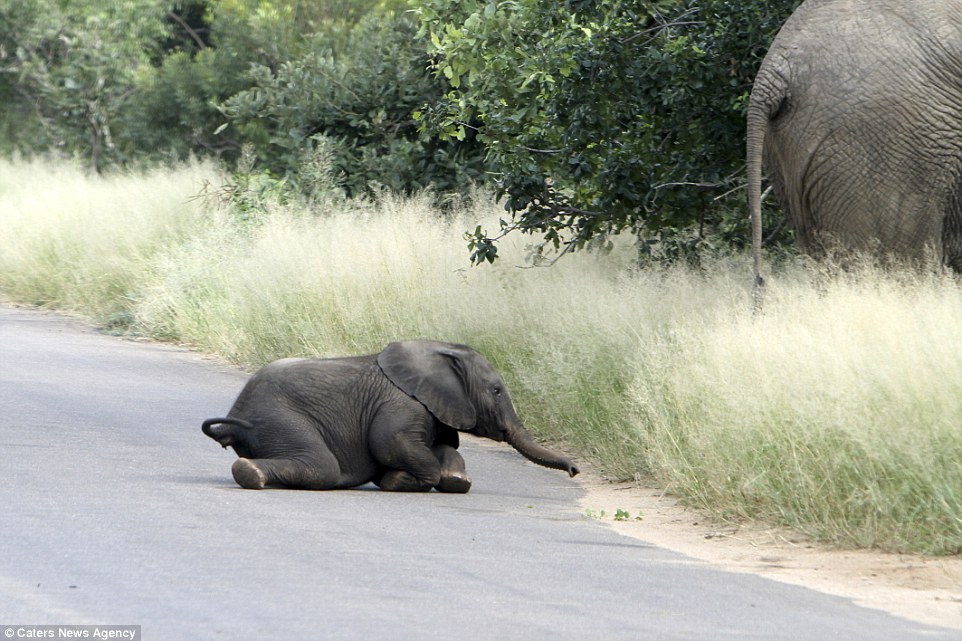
(390, 418)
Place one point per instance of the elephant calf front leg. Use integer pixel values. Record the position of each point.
(446, 474)
(401, 481)
(453, 477)
(411, 465)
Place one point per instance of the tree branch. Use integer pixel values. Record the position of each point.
(183, 23)
(678, 21)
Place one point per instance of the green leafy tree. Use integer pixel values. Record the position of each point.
(225, 93)
(189, 27)
(74, 65)
(603, 116)
(17, 115)
(175, 110)
(143, 79)
(355, 97)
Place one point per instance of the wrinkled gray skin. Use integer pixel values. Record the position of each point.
(391, 418)
(858, 106)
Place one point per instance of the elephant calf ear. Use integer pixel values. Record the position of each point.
(433, 373)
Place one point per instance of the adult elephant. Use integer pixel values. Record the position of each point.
(392, 418)
(858, 108)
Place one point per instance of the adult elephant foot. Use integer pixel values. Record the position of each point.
(248, 475)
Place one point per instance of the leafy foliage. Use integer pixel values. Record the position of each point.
(356, 100)
(74, 65)
(595, 116)
(177, 105)
(603, 115)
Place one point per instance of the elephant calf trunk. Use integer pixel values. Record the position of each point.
(522, 441)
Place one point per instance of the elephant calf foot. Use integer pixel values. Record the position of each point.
(454, 479)
(456, 483)
(248, 475)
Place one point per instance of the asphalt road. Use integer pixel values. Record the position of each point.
(115, 509)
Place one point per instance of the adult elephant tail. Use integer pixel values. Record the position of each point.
(768, 95)
(755, 143)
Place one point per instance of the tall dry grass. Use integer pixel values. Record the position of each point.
(87, 244)
(836, 411)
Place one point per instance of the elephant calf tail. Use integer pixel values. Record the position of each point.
(224, 430)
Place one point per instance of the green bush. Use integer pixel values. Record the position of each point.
(73, 65)
(175, 109)
(357, 100)
(602, 116)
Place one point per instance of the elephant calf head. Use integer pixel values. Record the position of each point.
(462, 390)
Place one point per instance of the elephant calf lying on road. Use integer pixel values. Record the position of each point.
(390, 418)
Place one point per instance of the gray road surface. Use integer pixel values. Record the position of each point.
(115, 509)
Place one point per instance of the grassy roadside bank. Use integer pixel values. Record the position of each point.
(839, 412)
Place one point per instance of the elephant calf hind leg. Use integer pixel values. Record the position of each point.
(248, 475)
(256, 474)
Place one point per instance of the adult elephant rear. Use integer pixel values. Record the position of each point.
(857, 110)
